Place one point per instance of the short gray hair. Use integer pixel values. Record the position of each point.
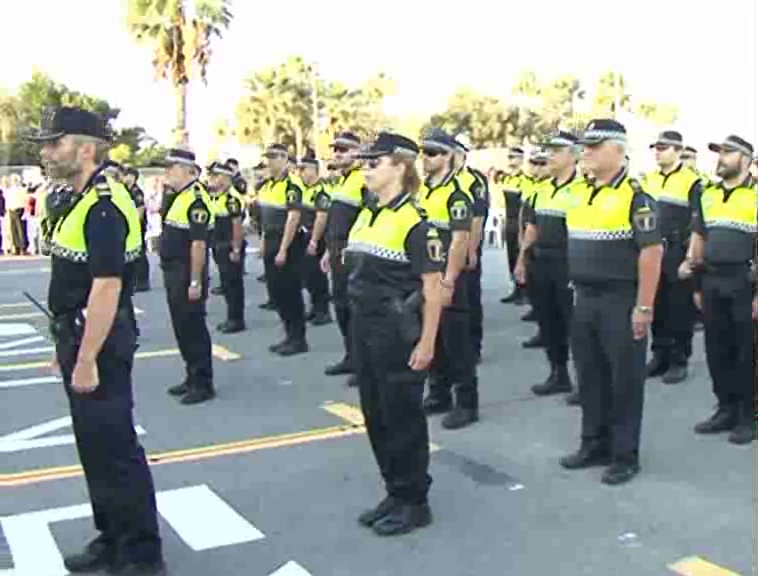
(101, 146)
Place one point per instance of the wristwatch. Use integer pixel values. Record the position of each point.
(644, 309)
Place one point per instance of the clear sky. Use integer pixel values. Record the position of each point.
(702, 56)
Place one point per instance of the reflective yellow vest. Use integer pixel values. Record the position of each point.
(434, 202)
(69, 241)
(349, 190)
(178, 214)
(737, 213)
(220, 202)
(673, 188)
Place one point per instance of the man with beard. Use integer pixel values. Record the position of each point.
(720, 257)
(94, 246)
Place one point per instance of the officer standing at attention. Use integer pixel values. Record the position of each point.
(615, 252)
(129, 177)
(450, 210)
(722, 252)
(395, 261)
(546, 238)
(228, 244)
(477, 186)
(676, 189)
(94, 246)
(315, 213)
(513, 189)
(240, 185)
(281, 203)
(184, 242)
(348, 197)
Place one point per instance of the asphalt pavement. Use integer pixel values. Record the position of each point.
(268, 479)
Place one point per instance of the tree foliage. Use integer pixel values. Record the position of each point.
(279, 103)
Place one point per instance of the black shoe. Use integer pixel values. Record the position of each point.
(574, 399)
(477, 358)
(403, 519)
(675, 374)
(534, 342)
(97, 555)
(620, 473)
(198, 396)
(321, 319)
(261, 278)
(179, 389)
(559, 382)
(746, 430)
(157, 568)
(724, 420)
(434, 405)
(512, 297)
(341, 368)
(588, 456)
(267, 306)
(658, 366)
(372, 516)
(530, 316)
(310, 316)
(293, 347)
(352, 381)
(217, 291)
(460, 418)
(142, 288)
(232, 327)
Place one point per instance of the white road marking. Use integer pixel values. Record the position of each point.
(30, 438)
(291, 569)
(22, 271)
(22, 342)
(7, 330)
(197, 514)
(27, 351)
(203, 520)
(22, 382)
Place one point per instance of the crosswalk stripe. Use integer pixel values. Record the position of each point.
(291, 569)
(22, 342)
(220, 524)
(696, 566)
(22, 382)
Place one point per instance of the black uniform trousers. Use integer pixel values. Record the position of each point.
(553, 301)
(142, 265)
(674, 322)
(339, 290)
(115, 468)
(392, 402)
(610, 366)
(454, 367)
(231, 281)
(512, 244)
(727, 297)
(188, 321)
(475, 304)
(285, 285)
(316, 282)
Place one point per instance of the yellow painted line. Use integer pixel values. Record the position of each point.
(695, 566)
(191, 454)
(224, 354)
(354, 416)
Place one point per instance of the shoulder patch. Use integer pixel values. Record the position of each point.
(459, 210)
(199, 215)
(434, 247)
(645, 219)
(636, 186)
(103, 188)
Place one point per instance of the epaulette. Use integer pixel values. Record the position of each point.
(636, 186)
(103, 187)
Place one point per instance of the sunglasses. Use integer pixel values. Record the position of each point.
(661, 147)
(432, 152)
(373, 163)
(340, 149)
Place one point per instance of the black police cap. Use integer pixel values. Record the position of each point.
(70, 121)
(308, 160)
(691, 150)
(603, 129)
(733, 143)
(222, 168)
(346, 140)
(112, 165)
(562, 139)
(668, 138)
(276, 151)
(181, 156)
(438, 139)
(388, 143)
(516, 151)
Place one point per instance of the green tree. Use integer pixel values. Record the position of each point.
(485, 119)
(179, 42)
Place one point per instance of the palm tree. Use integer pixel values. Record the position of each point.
(179, 42)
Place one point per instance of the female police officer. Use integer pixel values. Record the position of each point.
(395, 261)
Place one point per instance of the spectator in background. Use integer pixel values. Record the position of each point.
(15, 204)
(2, 219)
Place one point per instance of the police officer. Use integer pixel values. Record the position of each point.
(475, 182)
(347, 198)
(723, 245)
(228, 244)
(184, 242)
(450, 210)
(513, 190)
(395, 261)
(615, 254)
(676, 189)
(546, 239)
(315, 214)
(130, 176)
(281, 203)
(94, 246)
